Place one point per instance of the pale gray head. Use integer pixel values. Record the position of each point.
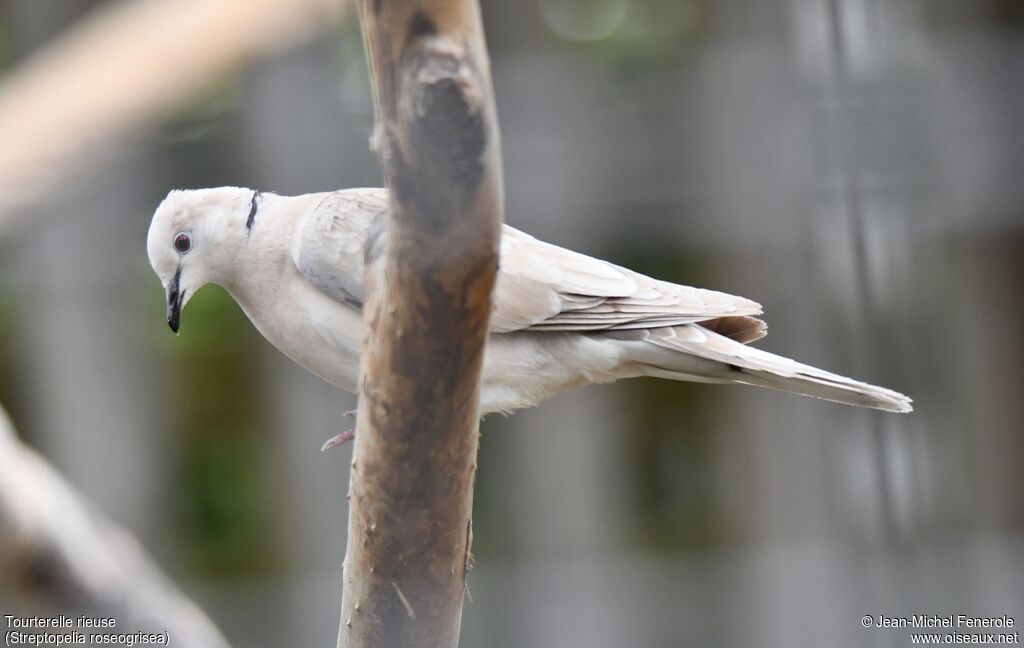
(193, 240)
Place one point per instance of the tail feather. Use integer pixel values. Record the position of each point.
(741, 328)
(692, 352)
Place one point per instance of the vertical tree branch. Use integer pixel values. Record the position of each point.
(431, 267)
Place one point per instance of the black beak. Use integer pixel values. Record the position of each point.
(174, 299)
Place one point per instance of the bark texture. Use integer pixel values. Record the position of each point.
(431, 266)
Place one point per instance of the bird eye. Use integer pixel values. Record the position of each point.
(183, 242)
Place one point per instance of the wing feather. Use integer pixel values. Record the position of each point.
(569, 291)
(327, 246)
(540, 286)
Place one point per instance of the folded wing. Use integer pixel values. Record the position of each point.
(540, 287)
(327, 245)
(543, 287)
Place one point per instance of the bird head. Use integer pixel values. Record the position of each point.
(193, 240)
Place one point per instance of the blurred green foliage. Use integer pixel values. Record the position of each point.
(349, 46)
(14, 390)
(672, 444)
(631, 35)
(5, 37)
(205, 114)
(670, 461)
(221, 419)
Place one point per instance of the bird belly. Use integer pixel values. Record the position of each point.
(524, 369)
(520, 370)
(322, 335)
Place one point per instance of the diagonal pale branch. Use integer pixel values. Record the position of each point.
(124, 65)
(60, 555)
(430, 270)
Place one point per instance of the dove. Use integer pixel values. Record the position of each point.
(560, 319)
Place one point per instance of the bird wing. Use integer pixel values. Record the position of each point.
(545, 287)
(327, 246)
(540, 287)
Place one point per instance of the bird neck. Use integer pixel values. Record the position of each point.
(261, 253)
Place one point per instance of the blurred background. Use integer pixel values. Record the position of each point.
(853, 165)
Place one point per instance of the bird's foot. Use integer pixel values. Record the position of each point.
(343, 438)
(338, 440)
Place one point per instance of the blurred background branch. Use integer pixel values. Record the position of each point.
(124, 65)
(61, 555)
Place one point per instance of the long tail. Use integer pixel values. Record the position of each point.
(692, 352)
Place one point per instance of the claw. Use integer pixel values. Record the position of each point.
(338, 440)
